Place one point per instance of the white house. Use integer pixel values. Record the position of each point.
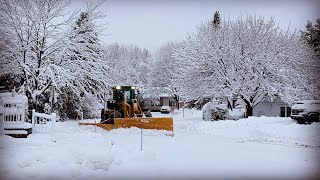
(272, 109)
(164, 100)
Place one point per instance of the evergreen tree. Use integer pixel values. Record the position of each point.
(84, 56)
(85, 39)
(312, 35)
(216, 19)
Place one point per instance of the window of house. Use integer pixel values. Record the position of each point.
(282, 111)
(288, 111)
(285, 111)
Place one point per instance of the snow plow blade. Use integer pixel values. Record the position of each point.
(158, 123)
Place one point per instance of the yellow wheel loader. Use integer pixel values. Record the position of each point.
(124, 111)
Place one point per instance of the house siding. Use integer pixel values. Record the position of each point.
(164, 101)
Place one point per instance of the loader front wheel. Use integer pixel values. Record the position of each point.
(102, 114)
(118, 114)
(147, 114)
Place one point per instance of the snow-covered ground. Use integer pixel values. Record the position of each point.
(248, 148)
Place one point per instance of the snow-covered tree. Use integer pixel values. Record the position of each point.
(83, 56)
(312, 35)
(46, 50)
(129, 64)
(161, 71)
(216, 20)
(248, 58)
(32, 32)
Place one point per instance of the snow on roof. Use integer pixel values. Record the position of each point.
(13, 98)
(306, 104)
(308, 101)
(164, 95)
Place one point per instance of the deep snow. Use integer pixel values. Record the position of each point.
(248, 148)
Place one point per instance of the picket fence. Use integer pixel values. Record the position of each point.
(12, 114)
(43, 123)
(14, 117)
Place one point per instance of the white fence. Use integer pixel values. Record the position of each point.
(14, 113)
(13, 108)
(43, 123)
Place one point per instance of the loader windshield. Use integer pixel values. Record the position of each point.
(124, 93)
(127, 94)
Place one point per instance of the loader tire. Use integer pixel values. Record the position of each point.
(102, 114)
(118, 115)
(147, 114)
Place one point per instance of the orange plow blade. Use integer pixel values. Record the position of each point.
(158, 123)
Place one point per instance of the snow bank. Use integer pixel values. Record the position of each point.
(269, 147)
(70, 155)
(23, 125)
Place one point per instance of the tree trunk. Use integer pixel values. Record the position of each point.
(249, 111)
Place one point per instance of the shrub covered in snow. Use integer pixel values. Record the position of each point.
(69, 104)
(91, 107)
(198, 104)
(237, 113)
(215, 111)
(47, 108)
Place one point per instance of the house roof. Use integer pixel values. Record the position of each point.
(164, 95)
(13, 97)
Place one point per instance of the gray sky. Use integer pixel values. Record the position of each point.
(149, 24)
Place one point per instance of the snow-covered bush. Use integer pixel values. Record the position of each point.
(91, 107)
(237, 113)
(215, 111)
(47, 108)
(198, 104)
(69, 104)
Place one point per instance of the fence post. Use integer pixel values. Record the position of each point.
(33, 118)
(183, 112)
(53, 123)
(23, 111)
(141, 140)
(1, 121)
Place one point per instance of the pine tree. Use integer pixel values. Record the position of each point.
(216, 20)
(312, 35)
(84, 56)
(85, 37)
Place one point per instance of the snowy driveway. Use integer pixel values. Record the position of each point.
(248, 148)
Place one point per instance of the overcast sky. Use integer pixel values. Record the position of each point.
(151, 23)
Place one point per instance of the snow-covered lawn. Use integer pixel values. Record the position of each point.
(247, 148)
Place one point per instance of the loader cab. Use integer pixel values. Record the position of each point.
(124, 92)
